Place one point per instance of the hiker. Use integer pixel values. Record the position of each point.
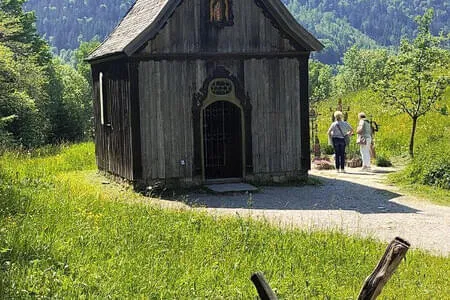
(339, 133)
(364, 139)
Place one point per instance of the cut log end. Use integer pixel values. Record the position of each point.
(387, 265)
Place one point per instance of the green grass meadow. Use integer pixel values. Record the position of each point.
(64, 235)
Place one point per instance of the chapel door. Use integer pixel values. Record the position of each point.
(222, 140)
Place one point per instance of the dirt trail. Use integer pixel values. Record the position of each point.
(355, 202)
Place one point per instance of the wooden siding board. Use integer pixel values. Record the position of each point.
(165, 119)
(155, 82)
(135, 152)
(304, 113)
(174, 100)
(191, 73)
(175, 117)
(143, 105)
(145, 86)
(283, 151)
(160, 122)
(291, 130)
(147, 91)
(250, 71)
(184, 111)
(298, 136)
(192, 31)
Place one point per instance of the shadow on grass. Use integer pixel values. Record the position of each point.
(332, 194)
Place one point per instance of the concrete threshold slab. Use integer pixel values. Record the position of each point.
(231, 187)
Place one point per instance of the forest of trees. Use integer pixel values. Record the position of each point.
(339, 24)
(42, 99)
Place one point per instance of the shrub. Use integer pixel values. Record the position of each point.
(382, 161)
(328, 149)
(438, 175)
(430, 166)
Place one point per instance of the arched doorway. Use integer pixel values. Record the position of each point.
(222, 132)
(222, 140)
(222, 111)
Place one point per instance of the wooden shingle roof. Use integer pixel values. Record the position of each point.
(145, 19)
(140, 16)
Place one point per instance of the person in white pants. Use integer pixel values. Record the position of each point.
(364, 132)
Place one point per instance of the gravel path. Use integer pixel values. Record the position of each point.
(355, 202)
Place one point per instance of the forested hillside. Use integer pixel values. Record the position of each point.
(338, 23)
(65, 23)
(385, 21)
(42, 100)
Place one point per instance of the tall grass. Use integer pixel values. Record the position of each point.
(392, 140)
(62, 235)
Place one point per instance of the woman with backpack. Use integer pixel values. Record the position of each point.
(364, 140)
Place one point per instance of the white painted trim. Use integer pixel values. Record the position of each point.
(102, 112)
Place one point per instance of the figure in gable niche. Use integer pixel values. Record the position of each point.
(219, 11)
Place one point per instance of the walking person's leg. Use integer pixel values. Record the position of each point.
(341, 155)
(343, 158)
(365, 154)
(336, 153)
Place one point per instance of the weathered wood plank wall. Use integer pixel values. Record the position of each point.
(273, 87)
(166, 90)
(194, 33)
(113, 140)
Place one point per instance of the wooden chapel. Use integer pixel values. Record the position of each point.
(195, 91)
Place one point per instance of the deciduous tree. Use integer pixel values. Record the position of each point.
(413, 83)
(360, 69)
(320, 80)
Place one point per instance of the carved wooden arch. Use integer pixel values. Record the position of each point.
(198, 100)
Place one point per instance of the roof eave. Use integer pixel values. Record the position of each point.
(105, 57)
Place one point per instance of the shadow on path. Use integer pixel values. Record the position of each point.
(332, 194)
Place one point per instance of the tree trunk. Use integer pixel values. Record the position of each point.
(413, 132)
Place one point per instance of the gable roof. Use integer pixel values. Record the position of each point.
(146, 17)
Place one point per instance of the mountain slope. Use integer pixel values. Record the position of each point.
(338, 23)
(385, 21)
(65, 23)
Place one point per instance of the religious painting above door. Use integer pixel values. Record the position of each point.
(220, 13)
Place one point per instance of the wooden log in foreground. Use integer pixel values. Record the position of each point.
(386, 267)
(263, 288)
